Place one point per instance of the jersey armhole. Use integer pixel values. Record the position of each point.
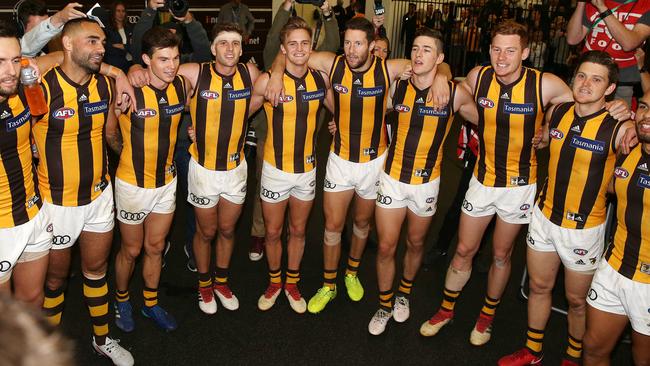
(198, 79)
(452, 96)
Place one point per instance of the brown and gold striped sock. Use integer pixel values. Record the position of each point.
(490, 306)
(534, 341)
(329, 279)
(405, 286)
(122, 296)
(449, 299)
(574, 348)
(205, 280)
(150, 296)
(386, 300)
(95, 293)
(53, 304)
(221, 276)
(293, 277)
(275, 276)
(352, 267)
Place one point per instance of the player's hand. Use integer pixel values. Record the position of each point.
(125, 93)
(274, 90)
(331, 127)
(138, 76)
(155, 4)
(66, 14)
(35, 152)
(537, 139)
(628, 141)
(191, 133)
(407, 73)
(599, 4)
(618, 109)
(287, 4)
(439, 92)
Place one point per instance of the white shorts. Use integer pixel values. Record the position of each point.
(614, 293)
(34, 236)
(98, 217)
(343, 175)
(205, 186)
(133, 204)
(579, 249)
(513, 204)
(421, 199)
(277, 185)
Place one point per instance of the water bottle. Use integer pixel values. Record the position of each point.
(32, 88)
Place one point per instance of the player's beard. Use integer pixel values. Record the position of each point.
(6, 92)
(85, 61)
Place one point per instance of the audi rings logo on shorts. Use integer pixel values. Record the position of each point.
(384, 200)
(203, 201)
(132, 216)
(61, 239)
(270, 194)
(329, 185)
(467, 206)
(524, 207)
(593, 295)
(5, 266)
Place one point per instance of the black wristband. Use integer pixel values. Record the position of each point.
(605, 14)
(643, 69)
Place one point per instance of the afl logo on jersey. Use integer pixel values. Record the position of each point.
(485, 102)
(209, 94)
(63, 113)
(146, 113)
(621, 173)
(340, 89)
(556, 134)
(402, 108)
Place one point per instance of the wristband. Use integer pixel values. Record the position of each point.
(643, 69)
(605, 14)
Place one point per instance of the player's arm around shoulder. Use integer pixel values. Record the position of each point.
(554, 90)
(190, 71)
(469, 83)
(259, 88)
(464, 104)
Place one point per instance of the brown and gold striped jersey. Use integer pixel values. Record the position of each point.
(149, 135)
(19, 198)
(70, 139)
(291, 136)
(581, 164)
(219, 110)
(415, 153)
(509, 115)
(359, 109)
(629, 254)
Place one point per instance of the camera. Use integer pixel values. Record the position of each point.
(317, 3)
(178, 8)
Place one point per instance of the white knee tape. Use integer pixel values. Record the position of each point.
(456, 279)
(331, 238)
(360, 233)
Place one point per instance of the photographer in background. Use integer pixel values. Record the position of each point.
(195, 32)
(236, 12)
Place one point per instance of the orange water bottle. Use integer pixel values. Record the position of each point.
(32, 88)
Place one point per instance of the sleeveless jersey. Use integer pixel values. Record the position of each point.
(360, 106)
(19, 198)
(581, 164)
(219, 110)
(291, 136)
(509, 115)
(70, 139)
(149, 135)
(415, 153)
(629, 254)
